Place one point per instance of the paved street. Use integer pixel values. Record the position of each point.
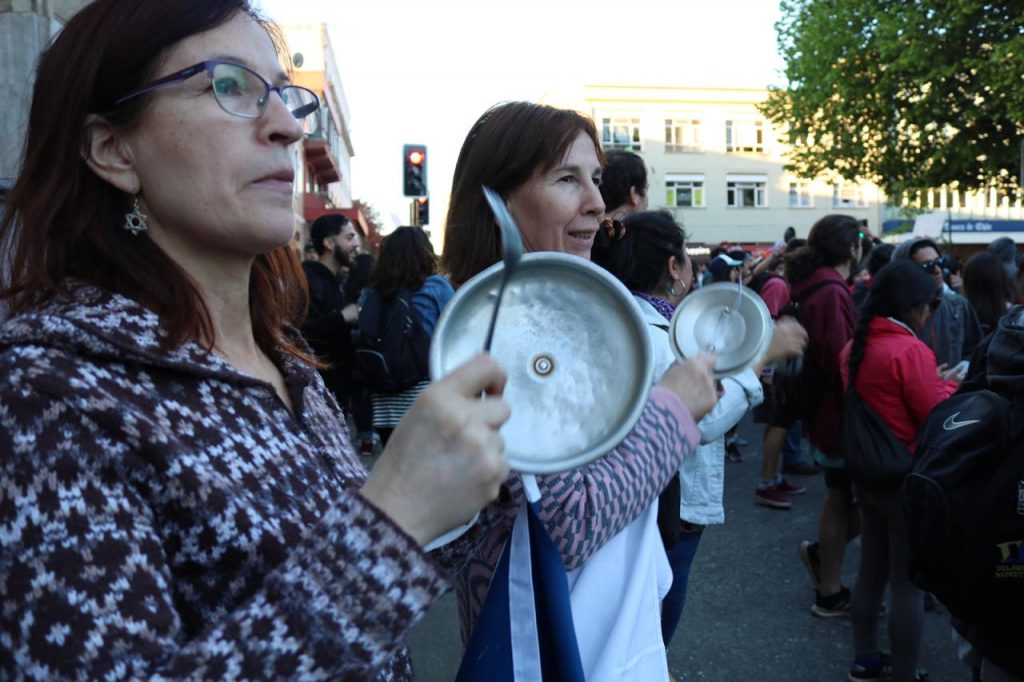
(748, 612)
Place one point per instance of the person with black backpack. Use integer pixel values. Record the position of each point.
(894, 375)
(964, 506)
(397, 315)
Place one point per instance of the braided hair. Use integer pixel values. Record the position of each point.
(897, 290)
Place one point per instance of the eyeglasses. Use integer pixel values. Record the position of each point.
(239, 90)
(928, 266)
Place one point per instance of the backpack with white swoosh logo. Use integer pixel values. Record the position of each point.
(964, 506)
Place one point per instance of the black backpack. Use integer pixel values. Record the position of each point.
(800, 385)
(392, 348)
(964, 507)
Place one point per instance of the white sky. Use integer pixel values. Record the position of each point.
(422, 72)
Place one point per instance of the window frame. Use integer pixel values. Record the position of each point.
(804, 194)
(608, 125)
(697, 186)
(859, 199)
(737, 184)
(687, 127)
(733, 137)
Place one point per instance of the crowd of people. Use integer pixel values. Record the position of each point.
(181, 495)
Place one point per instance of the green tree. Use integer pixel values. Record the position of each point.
(910, 94)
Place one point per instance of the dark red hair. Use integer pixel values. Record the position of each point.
(64, 222)
(504, 148)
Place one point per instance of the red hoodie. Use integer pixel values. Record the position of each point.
(898, 378)
(829, 317)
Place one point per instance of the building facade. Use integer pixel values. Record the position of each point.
(323, 161)
(718, 165)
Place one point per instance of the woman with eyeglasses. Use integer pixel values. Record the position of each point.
(895, 373)
(178, 494)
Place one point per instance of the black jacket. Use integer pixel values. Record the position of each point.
(325, 328)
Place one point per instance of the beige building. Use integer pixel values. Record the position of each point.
(717, 164)
(323, 161)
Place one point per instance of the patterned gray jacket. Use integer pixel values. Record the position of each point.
(163, 515)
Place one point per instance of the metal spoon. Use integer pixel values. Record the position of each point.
(711, 347)
(511, 251)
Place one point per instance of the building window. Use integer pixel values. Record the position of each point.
(848, 195)
(621, 133)
(800, 194)
(746, 191)
(684, 191)
(744, 136)
(682, 135)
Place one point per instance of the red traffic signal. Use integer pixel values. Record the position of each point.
(414, 170)
(421, 211)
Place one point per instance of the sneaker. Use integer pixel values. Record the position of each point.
(833, 606)
(812, 561)
(878, 670)
(787, 488)
(771, 497)
(801, 468)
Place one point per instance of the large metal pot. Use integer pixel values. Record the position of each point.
(577, 353)
(709, 319)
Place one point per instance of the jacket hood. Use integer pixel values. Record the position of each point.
(92, 323)
(822, 274)
(1004, 362)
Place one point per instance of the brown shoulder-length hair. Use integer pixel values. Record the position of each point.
(406, 260)
(64, 222)
(503, 149)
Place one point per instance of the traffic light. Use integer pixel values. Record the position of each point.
(421, 209)
(414, 170)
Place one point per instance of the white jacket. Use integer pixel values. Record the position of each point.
(702, 475)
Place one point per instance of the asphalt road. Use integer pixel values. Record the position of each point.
(748, 611)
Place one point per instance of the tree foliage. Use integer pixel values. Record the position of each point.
(374, 221)
(910, 94)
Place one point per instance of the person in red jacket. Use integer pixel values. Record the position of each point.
(818, 273)
(895, 373)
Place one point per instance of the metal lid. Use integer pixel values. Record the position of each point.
(710, 319)
(577, 353)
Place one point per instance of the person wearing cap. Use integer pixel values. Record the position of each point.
(953, 331)
(724, 268)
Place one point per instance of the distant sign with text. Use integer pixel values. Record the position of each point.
(964, 226)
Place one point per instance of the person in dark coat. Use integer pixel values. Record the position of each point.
(329, 320)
